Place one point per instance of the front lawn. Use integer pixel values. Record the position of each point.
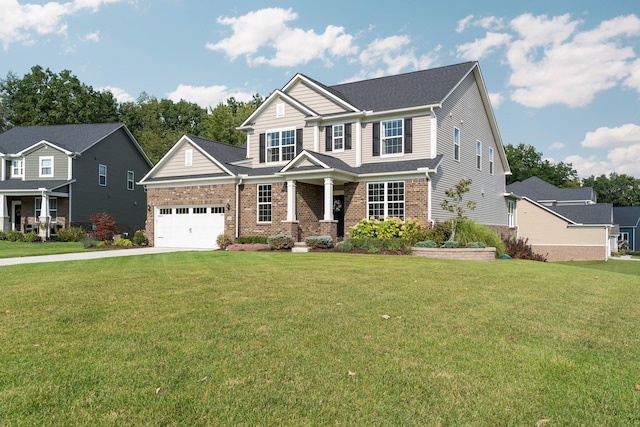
(261, 338)
(20, 249)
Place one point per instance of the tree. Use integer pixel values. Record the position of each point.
(222, 121)
(526, 162)
(619, 190)
(453, 203)
(43, 97)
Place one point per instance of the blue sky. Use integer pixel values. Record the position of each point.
(564, 76)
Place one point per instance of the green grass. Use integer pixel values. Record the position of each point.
(614, 266)
(20, 249)
(240, 338)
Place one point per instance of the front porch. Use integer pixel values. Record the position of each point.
(44, 213)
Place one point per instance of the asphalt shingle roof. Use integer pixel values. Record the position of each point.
(600, 213)
(18, 184)
(539, 190)
(627, 216)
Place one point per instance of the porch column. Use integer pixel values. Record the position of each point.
(4, 214)
(44, 218)
(328, 199)
(291, 200)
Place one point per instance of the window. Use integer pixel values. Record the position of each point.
(280, 109)
(130, 180)
(338, 137)
(281, 145)
(385, 199)
(392, 140)
(46, 166)
(479, 155)
(511, 213)
(199, 210)
(491, 161)
(456, 144)
(188, 157)
(53, 208)
(623, 237)
(182, 211)
(166, 211)
(17, 168)
(217, 209)
(102, 175)
(264, 203)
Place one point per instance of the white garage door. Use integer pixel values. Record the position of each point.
(188, 226)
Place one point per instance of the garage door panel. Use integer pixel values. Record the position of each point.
(188, 226)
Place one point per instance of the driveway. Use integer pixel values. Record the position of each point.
(91, 255)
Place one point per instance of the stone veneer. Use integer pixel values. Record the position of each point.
(469, 254)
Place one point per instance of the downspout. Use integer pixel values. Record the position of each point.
(431, 221)
(434, 134)
(238, 184)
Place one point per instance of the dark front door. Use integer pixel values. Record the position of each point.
(338, 214)
(17, 217)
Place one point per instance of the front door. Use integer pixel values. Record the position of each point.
(338, 214)
(16, 215)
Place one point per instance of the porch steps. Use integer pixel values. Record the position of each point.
(300, 247)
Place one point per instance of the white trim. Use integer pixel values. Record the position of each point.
(478, 154)
(132, 180)
(188, 157)
(279, 131)
(459, 144)
(15, 203)
(333, 138)
(358, 125)
(40, 174)
(382, 138)
(258, 203)
(22, 162)
(45, 144)
(100, 175)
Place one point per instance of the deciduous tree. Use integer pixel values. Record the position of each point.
(525, 161)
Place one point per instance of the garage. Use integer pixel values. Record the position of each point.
(195, 227)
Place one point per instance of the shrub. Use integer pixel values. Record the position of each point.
(89, 242)
(410, 230)
(252, 239)
(104, 226)
(3, 235)
(426, 244)
(389, 228)
(476, 245)
(140, 239)
(451, 244)
(520, 249)
(71, 234)
(122, 242)
(397, 245)
(470, 231)
(319, 242)
(439, 233)
(414, 231)
(344, 246)
(280, 241)
(223, 241)
(366, 228)
(14, 236)
(31, 237)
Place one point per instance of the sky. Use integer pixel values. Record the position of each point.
(563, 76)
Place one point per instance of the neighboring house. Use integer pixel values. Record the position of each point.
(318, 159)
(628, 219)
(564, 223)
(60, 175)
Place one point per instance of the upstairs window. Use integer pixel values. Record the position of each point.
(46, 166)
(281, 145)
(102, 175)
(130, 180)
(479, 155)
(392, 137)
(456, 144)
(17, 170)
(491, 161)
(338, 137)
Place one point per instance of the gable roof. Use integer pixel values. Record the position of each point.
(626, 216)
(74, 138)
(539, 190)
(600, 213)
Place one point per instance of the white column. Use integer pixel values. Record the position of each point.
(358, 126)
(4, 213)
(44, 216)
(291, 200)
(316, 138)
(328, 199)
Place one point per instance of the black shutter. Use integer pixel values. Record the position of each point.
(263, 147)
(347, 136)
(299, 145)
(408, 140)
(328, 138)
(376, 139)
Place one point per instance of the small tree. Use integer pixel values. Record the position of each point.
(453, 203)
(104, 226)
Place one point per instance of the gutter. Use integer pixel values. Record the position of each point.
(237, 214)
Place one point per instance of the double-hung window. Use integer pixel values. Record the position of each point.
(491, 160)
(385, 200)
(264, 202)
(281, 145)
(392, 140)
(46, 166)
(478, 155)
(130, 180)
(102, 175)
(17, 169)
(511, 213)
(338, 137)
(456, 144)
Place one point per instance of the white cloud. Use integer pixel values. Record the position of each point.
(557, 146)
(587, 166)
(480, 48)
(496, 99)
(119, 94)
(463, 23)
(488, 23)
(93, 37)
(603, 137)
(208, 96)
(268, 29)
(20, 22)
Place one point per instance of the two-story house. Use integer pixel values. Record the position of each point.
(60, 175)
(318, 159)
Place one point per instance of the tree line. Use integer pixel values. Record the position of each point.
(42, 97)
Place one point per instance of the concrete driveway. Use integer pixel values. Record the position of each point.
(92, 255)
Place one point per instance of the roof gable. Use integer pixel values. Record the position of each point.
(627, 216)
(276, 95)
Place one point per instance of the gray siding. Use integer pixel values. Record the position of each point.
(464, 109)
(120, 155)
(60, 164)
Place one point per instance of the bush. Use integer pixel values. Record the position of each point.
(468, 231)
(476, 245)
(319, 242)
(140, 239)
(426, 244)
(104, 226)
(3, 235)
(397, 245)
(410, 230)
(31, 237)
(451, 244)
(252, 239)
(89, 242)
(344, 246)
(439, 233)
(414, 231)
(280, 241)
(14, 236)
(223, 241)
(71, 234)
(520, 249)
(122, 242)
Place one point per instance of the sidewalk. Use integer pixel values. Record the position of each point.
(91, 255)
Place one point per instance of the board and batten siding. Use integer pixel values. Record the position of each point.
(421, 141)
(464, 109)
(308, 96)
(60, 164)
(175, 166)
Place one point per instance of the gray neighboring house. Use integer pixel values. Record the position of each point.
(60, 175)
(318, 159)
(564, 223)
(628, 219)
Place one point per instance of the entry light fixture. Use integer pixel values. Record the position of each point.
(228, 206)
